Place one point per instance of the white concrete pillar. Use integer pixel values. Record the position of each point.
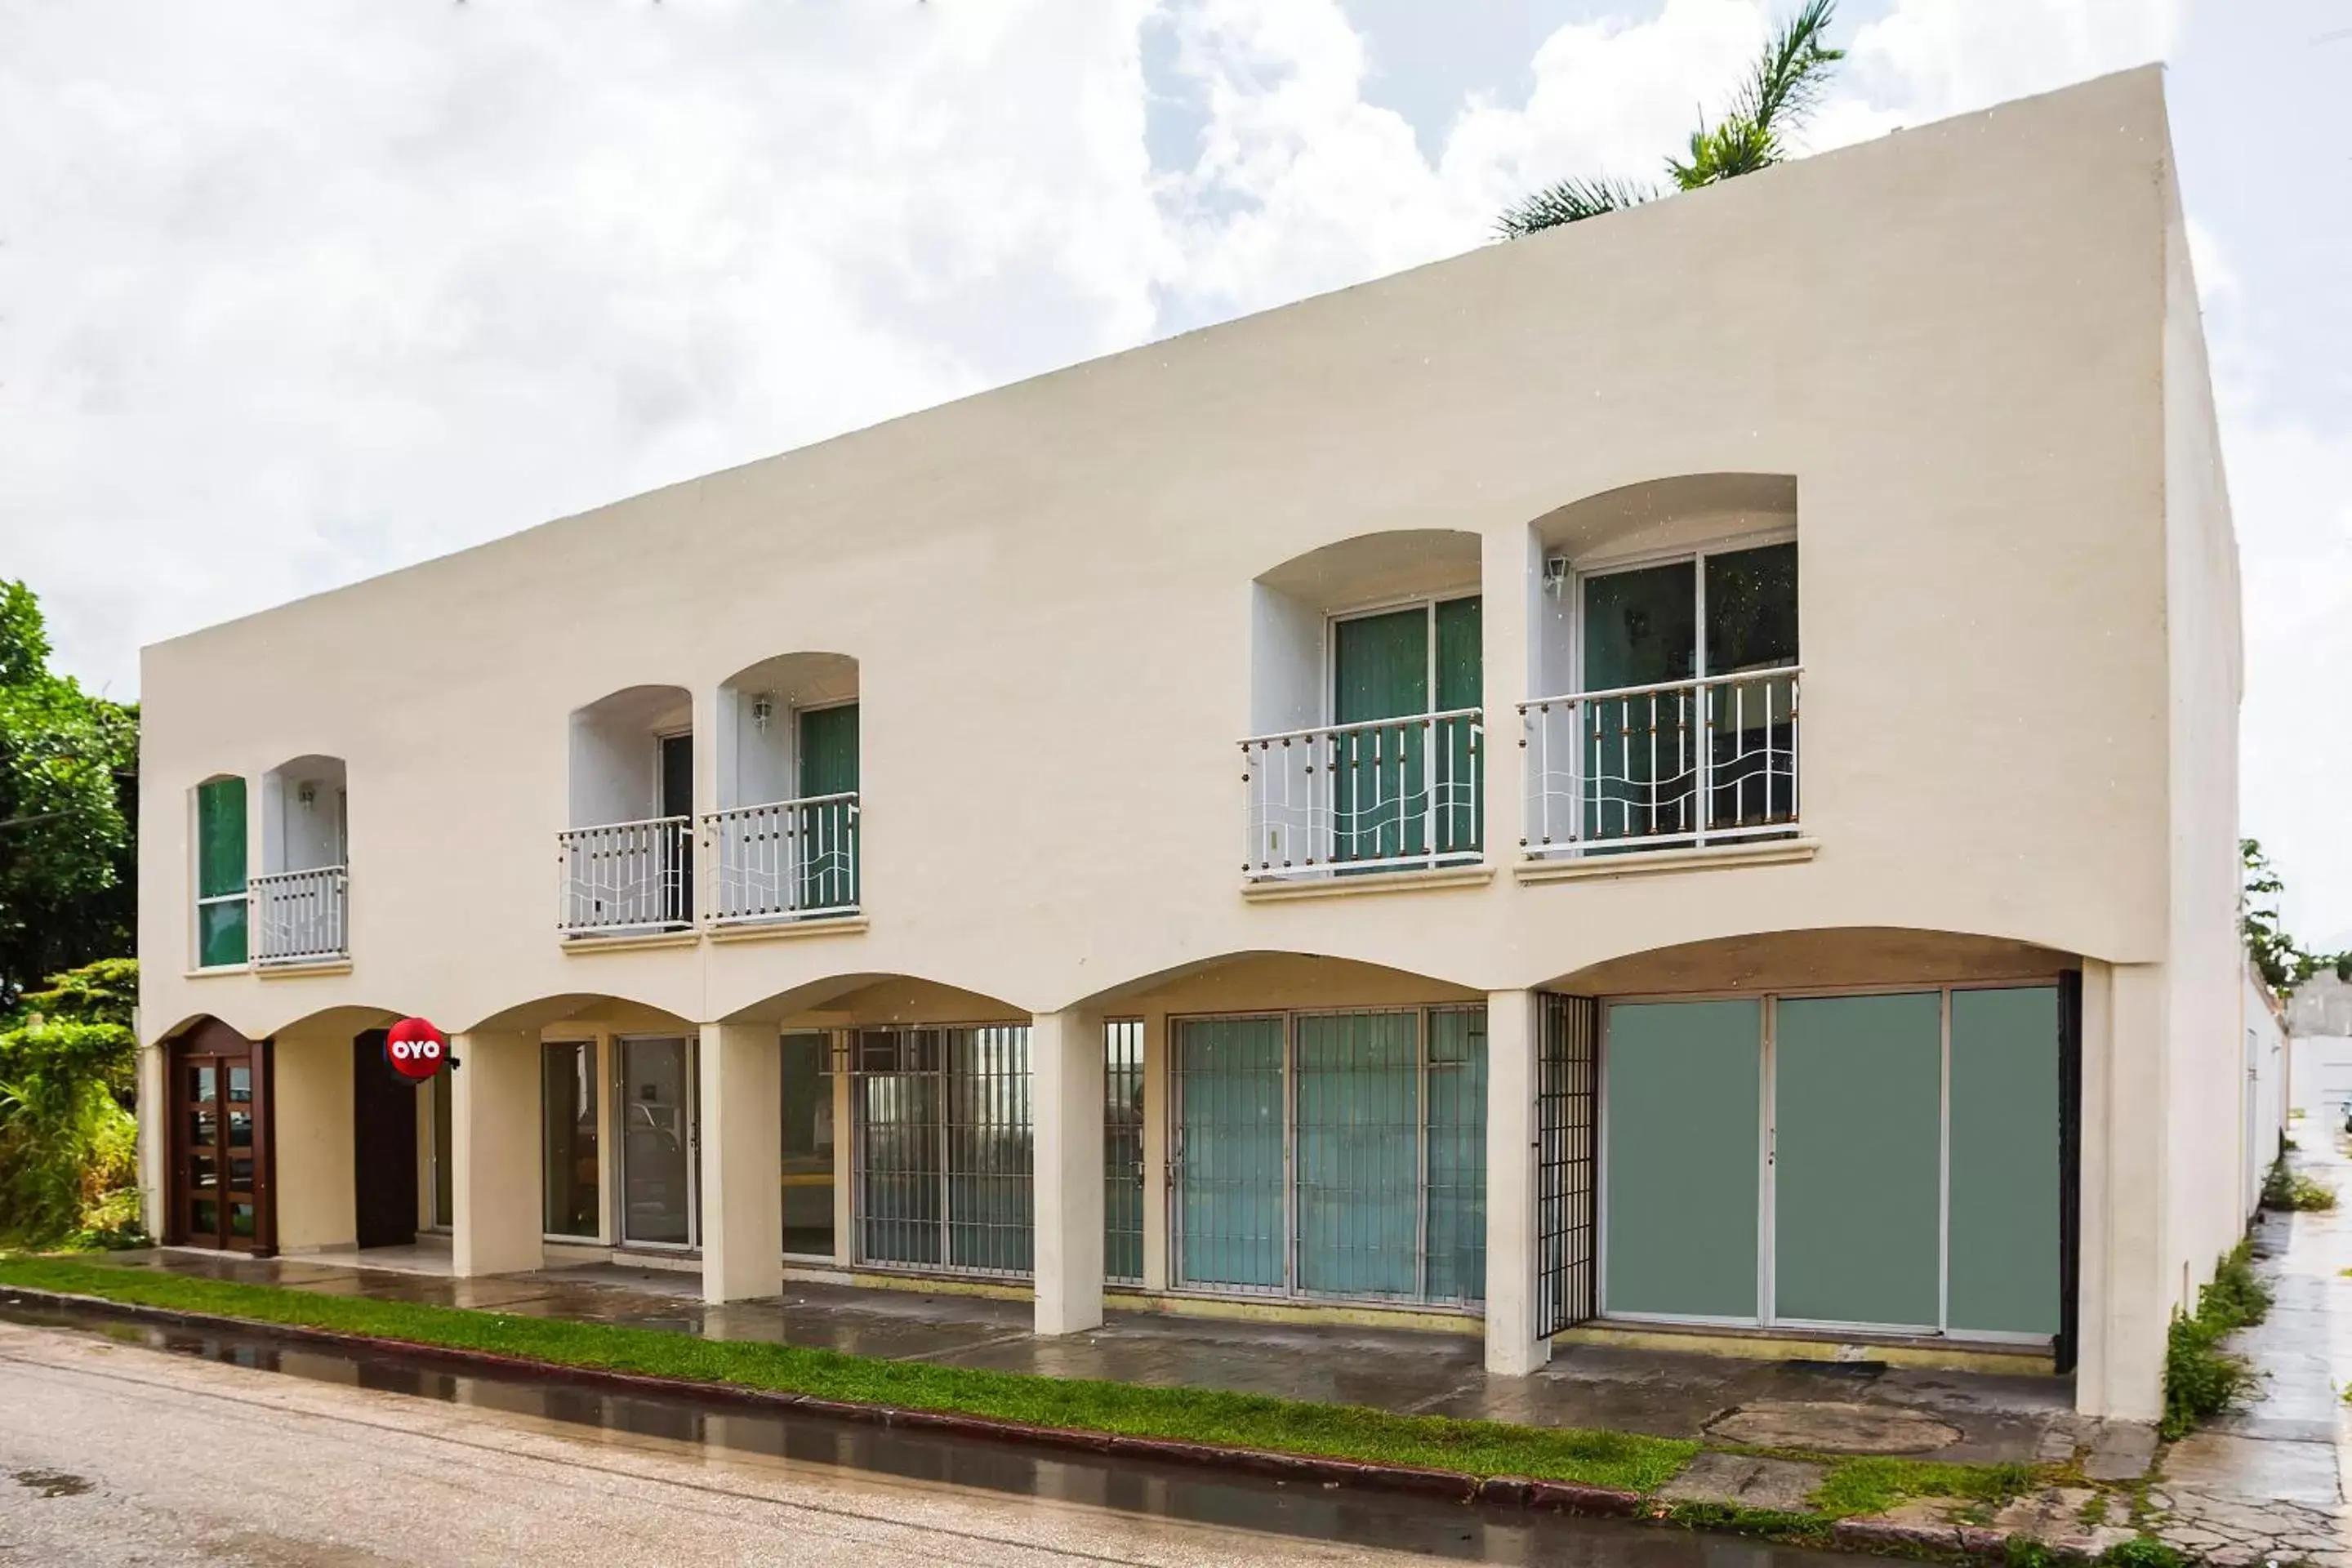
(844, 1147)
(1158, 1130)
(743, 1161)
(1513, 1035)
(312, 1091)
(2128, 1287)
(154, 1126)
(1066, 1054)
(494, 1125)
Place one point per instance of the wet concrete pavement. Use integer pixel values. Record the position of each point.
(1971, 1417)
(169, 1445)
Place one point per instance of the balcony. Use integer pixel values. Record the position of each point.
(1386, 794)
(1682, 764)
(626, 877)
(302, 917)
(792, 859)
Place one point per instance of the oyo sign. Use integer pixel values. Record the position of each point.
(415, 1049)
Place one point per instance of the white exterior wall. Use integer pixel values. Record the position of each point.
(1068, 598)
(2266, 1086)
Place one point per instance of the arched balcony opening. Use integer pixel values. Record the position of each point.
(1367, 708)
(1663, 655)
(784, 840)
(301, 899)
(627, 858)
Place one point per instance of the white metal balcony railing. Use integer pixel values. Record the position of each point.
(626, 876)
(1682, 763)
(1383, 795)
(791, 859)
(299, 916)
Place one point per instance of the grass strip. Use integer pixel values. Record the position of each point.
(1482, 1449)
(1866, 1485)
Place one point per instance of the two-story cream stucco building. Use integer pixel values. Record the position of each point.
(1674, 777)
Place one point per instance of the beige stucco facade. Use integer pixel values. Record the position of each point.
(1963, 363)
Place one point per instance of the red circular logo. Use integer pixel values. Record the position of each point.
(415, 1049)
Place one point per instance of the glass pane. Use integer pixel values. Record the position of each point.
(899, 1114)
(203, 1218)
(1358, 1154)
(1380, 666)
(202, 1084)
(204, 1171)
(204, 1128)
(829, 749)
(220, 933)
(1684, 1085)
(2004, 1161)
(1751, 609)
(1229, 1166)
(568, 1137)
(990, 1191)
(240, 1173)
(656, 1142)
(1123, 1149)
(1857, 1099)
(240, 1085)
(808, 1144)
(240, 1220)
(1641, 627)
(1457, 1154)
(220, 837)
(1460, 770)
(240, 1130)
(444, 1154)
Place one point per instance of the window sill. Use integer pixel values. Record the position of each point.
(628, 941)
(302, 969)
(208, 971)
(1332, 887)
(1641, 862)
(783, 930)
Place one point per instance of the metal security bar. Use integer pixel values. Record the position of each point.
(1567, 1093)
(944, 1149)
(789, 859)
(1687, 762)
(1123, 1151)
(626, 876)
(300, 915)
(1331, 1155)
(1386, 794)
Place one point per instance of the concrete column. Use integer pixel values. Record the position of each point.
(154, 1120)
(743, 1161)
(493, 1124)
(844, 1152)
(310, 1112)
(2127, 1288)
(1066, 1053)
(1513, 1033)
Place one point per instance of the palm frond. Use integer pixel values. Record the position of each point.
(1791, 74)
(1570, 201)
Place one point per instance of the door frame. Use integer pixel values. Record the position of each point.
(210, 1039)
(692, 1110)
(1767, 1187)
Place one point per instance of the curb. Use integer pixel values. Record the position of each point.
(1519, 1491)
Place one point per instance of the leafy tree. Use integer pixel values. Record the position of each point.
(1785, 87)
(68, 1146)
(2285, 964)
(69, 793)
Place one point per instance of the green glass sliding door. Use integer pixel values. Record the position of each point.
(2004, 1179)
(1857, 1156)
(1381, 666)
(1683, 1084)
(220, 873)
(1359, 1152)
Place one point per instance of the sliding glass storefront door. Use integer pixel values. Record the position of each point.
(570, 1175)
(655, 1111)
(1885, 1161)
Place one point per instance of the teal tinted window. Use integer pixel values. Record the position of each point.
(1683, 1084)
(2004, 1181)
(1751, 609)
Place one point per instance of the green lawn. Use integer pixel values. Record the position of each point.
(1190, 1414)
(1481, 1449)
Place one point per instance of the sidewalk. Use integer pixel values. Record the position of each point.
(1866, 1408)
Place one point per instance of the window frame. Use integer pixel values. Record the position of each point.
(241, 896)
(1327, 697)
(1607, 563)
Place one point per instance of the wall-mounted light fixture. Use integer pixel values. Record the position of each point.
(307, 794)
(764, 708)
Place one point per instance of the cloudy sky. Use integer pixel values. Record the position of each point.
(292, 291)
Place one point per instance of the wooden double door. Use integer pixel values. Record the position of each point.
(220, 1145)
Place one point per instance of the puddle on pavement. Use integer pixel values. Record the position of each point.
(1466, 1532)
(52, 1483)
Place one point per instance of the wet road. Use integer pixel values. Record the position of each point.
(130, 1444)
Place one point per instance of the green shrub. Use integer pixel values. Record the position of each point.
(2201, 1379)
(2143, 1551)
(69, 1145)
(2285, 1191)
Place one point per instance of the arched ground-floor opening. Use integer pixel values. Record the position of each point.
(220, 1187)
(1866, 1135)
